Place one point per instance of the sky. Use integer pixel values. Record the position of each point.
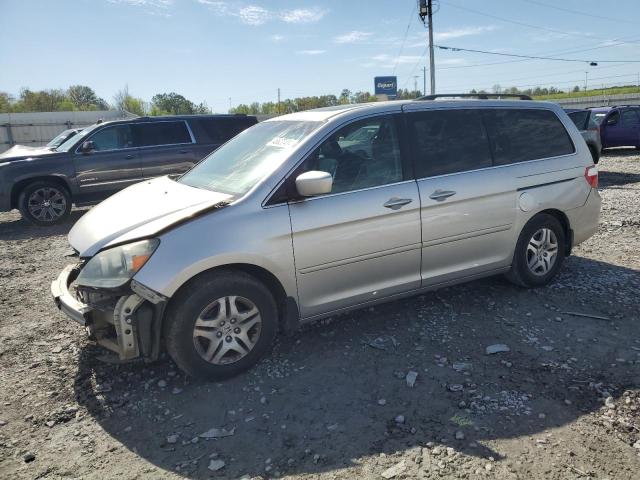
(231, 52)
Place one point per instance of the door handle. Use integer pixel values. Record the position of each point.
(183, 151)
(129, 156)
(395, 203)
(441, 195)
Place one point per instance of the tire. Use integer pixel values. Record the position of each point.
(521, 273)
(44, 203)
(199, 304)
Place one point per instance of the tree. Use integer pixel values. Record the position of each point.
(172, 104)
(84, 98)
(576, 89)
(5, 102)
(345, 96)
(41, 101)
(125, 101)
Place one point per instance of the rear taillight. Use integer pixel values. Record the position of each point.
(591, 176)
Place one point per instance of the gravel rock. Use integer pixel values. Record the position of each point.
(411, 378)
(215, 465)
(394, 471)
(497, 348)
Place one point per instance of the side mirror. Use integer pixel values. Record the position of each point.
(87, 146)
(314, 183)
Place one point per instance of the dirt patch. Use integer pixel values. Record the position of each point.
(334, 401)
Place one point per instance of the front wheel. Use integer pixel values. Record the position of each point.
(44, 203)
(220, 325)
(539, 252)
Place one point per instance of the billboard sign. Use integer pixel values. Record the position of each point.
(387, 86)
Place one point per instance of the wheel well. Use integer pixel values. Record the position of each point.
(19, 186)
(564, 221)
(288, 318)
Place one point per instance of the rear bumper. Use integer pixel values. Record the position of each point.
(584, 220)
(128, 325)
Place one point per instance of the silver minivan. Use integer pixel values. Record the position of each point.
(315, 213)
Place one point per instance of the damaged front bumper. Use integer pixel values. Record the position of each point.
(129, 323)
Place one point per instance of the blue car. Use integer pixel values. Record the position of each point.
(619, 125)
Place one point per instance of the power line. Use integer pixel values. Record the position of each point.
(406, 33)
(576, 12)
(532, 57)
(528, 25)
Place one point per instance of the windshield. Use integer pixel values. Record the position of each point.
(71, 141)
(598, 116)
(60, 139)
(249, 157)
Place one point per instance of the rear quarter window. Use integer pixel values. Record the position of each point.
(580, 119)
(520, 135)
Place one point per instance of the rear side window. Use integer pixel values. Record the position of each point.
(580, 119)
(448, 141)
(219, 130)
(522, 135)
(160, 133)
(630, 118)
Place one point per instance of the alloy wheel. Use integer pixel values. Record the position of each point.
(542, 251)
(47, 204)
(227, 330)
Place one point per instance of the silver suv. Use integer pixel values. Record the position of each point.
(315, 213)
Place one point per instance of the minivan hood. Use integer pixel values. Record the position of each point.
(139, 211)
(18, 152)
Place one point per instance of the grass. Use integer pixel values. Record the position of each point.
(589, 93)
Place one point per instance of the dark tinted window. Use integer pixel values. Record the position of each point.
(580, 119)
(160, 133)
(219, 130)
(521, 135)
(448, 141)
(115, 137)
(630, 118)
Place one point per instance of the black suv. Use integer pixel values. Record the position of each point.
(107, 157)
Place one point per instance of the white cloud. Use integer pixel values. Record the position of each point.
(152, 7)
(302, 15)
(256, 15)
(277, 38)
(462, 32)
(253, 15)
(445, 35)
(354, 36)
(311, 52)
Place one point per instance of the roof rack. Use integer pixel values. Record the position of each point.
(480, 96)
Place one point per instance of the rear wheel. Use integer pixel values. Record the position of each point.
(44, 203)
(220, 325)
(539, 252)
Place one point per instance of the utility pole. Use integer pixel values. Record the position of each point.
(415, 84)
(229, 103)
(278, 100)
(586, 76)
(431, 59)
(424, 80)
(425, 9)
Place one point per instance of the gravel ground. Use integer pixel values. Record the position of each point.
(335, 400)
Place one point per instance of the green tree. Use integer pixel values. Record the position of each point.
(84, 98)
(5, 102)
(345, 96)
(172, 104)
(125, 101)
